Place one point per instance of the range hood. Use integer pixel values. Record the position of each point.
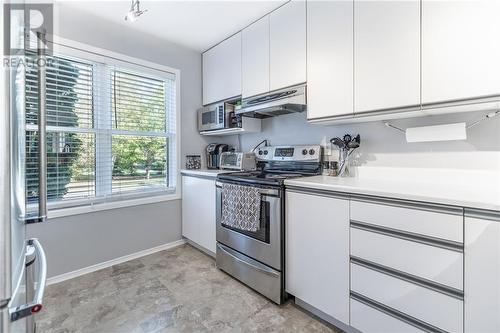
(275, 103)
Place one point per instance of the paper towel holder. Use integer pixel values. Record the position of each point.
(486, 117)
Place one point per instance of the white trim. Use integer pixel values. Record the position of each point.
(109, 263)
(97, 207)
(102, 55)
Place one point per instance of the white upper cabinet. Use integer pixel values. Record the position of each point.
(386, 54)
(288, 45)
(255, 58)
(460, 49)
(329, 58)
(222, 70)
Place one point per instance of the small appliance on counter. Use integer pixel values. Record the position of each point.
(238, 161)
(213, 153)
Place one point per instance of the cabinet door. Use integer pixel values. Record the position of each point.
(460, 49)
(222, 70)
(317, 252)
(288, 45)
(482, 275)
(255, 58)
(329, 58)
(387, 54)
(198, 211)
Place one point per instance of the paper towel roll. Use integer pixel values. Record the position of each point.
(448, 132)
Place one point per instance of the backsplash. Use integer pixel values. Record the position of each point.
(386, 147)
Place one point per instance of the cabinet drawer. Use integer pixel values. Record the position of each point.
(370, 320)
(429, 262)
(417, 301)
(448, 226)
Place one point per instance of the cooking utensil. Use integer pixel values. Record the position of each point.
(338, 142)
(352, 144)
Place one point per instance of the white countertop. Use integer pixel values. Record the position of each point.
(457, 189)
(204, 172)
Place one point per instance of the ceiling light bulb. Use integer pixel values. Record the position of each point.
(130, 17)
(134, 11)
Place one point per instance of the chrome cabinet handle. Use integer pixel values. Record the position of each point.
(36, 304)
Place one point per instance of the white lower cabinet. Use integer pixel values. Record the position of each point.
(198, 211)
(440, 310)
(317, 252)
(369, 266)
(370, 320)
(482, 274)
(432, 263)
(446, 225)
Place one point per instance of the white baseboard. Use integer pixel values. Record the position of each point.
(96, 267)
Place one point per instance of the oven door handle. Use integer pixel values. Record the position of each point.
(264, 270)
(262, 191)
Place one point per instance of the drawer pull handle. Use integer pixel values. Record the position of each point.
(409, 236)
(425, 206)
(434, 286)
(421, 325)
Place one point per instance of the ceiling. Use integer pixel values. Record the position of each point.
(197, 25)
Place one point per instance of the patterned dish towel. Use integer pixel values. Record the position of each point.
(241, 207)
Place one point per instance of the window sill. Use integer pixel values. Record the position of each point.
(62, 212)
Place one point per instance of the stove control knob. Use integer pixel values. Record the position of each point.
(312, 151)
(265, 152)
(304, 151)
(260, 152)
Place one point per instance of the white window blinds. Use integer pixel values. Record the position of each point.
(111, 132)
(70, 134)
(140, 132)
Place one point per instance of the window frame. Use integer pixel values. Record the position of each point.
(102, 57)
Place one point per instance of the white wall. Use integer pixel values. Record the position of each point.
(87, 239)
(79, 241)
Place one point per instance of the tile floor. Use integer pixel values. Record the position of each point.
(177, 290)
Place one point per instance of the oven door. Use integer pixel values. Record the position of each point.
(263, 245)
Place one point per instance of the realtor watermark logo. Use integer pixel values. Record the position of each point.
(22, 23)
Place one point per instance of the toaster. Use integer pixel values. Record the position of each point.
(238, 161)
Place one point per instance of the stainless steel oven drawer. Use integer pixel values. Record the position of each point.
(254, 274)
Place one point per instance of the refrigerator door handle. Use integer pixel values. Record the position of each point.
(35, 253)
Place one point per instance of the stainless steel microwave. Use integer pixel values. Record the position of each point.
(214, 116)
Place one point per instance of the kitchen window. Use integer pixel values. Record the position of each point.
(111, 131)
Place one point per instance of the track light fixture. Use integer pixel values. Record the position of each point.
(134, 11)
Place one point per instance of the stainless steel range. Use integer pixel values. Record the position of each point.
(255, 255)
